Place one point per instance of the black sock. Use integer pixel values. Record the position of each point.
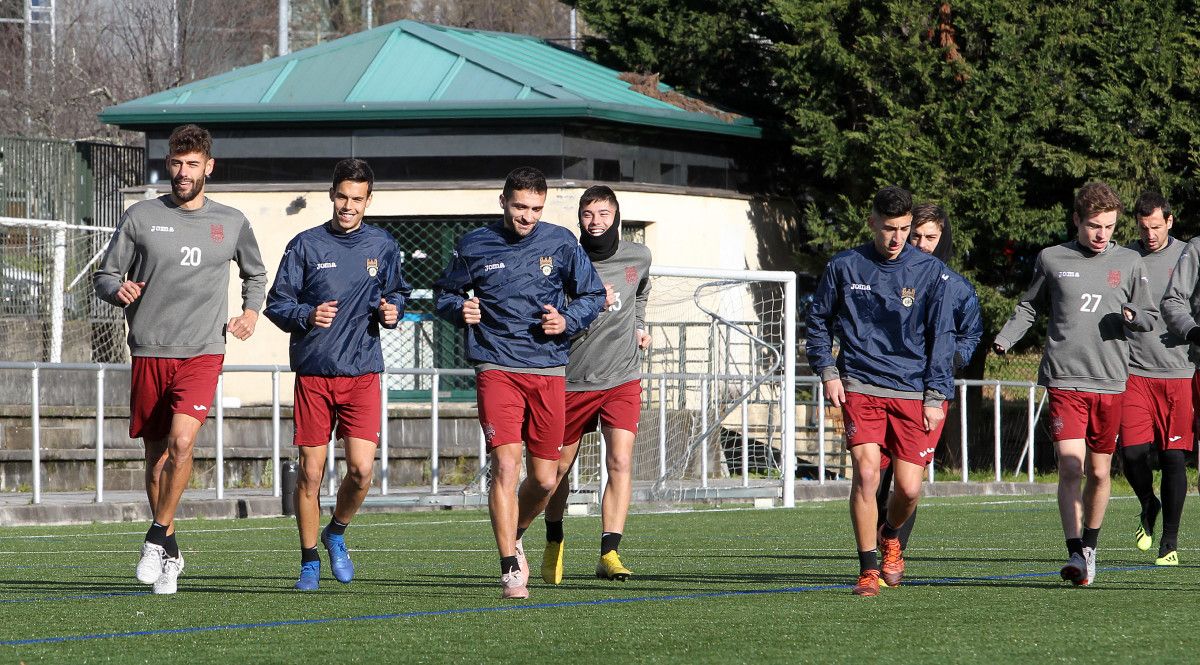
(883, 493)
(1174, 492)
(521, 531)
(889, 531)
(905, 530)
(157, 534)
(336, 528)
(1090, 536)
(609, 542)
(868, 561)
(1135, 461)
(308, 554)
(508, 564)
(171, 547)
(1074, 546)
(554, 531)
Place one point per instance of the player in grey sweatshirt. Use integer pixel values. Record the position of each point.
(1093, 292)
(603, 383)
(168, 266)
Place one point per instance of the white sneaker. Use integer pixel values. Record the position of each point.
(1089, 555)
(168, 581)
(1076, 570)
(151, 564)
(521, 560)
(514, 585)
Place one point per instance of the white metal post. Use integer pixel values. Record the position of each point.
(434, 449)
(37, 439)
(1029, 436)
(276, 476)
(100, 435)
(383, 433)
(820, 432)
(57, 280)
(220, 436)
(285, 11)
(746, 435)
(962, 428)
(788, 447)
(996, 429)
(704, 426)
(662, 426)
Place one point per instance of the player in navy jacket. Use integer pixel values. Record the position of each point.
(893, 374)
(336, 285)
(532, 288)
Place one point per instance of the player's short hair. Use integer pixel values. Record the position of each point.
(924, 213)
(1095, 198)
(891, 202)
(599, 193)
(189, 138)
(1150, 201)
(524, 178)
(354, 170)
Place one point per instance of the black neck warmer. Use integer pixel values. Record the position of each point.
(604, 245)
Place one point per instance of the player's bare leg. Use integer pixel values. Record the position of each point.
(173, 479)
(308, 512)
(360, 466)
(1073, 509)
(156, 459)
(863, 508)
(555, 508)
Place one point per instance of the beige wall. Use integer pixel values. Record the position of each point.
(683, 228)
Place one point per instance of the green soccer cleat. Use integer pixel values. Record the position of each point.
(1144, 540)
(611, 568)
(552, 563)
(1169, 559)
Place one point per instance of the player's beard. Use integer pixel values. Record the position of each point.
(197, 188)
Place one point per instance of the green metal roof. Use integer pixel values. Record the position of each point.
(410, 71)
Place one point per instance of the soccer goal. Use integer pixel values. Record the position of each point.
(718, 390)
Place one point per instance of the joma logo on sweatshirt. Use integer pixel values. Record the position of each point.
(860, 287)
(322, 266)
(162, 229)
(1067, 273)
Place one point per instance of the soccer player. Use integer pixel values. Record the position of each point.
(893, 375)
(532, 288)
(931, 234)
(168, 266)
(1093, 292)
(337, 284)
(1158, 408)
(603, 384)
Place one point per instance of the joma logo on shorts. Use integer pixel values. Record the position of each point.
(927, 451)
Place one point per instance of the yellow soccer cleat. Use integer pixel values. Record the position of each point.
(1144, 540)
(552, 563)
(611, 568)
(1169, 559)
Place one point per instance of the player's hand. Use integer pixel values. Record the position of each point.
(835, 392)
(322, 315)
(643, 339)
(242, 327)
(1128, 314)
(933, 417)
(389, 314)
(553, 323)
(130, 291)
(470, 311)
(998, 348)
(609, 296)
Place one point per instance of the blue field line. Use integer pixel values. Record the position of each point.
(539, 606)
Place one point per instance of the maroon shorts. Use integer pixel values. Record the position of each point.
(1093, 417)
(162, 387)
(1157, 411)
(619, 407)
(516, 407)
(897, 425)
(885, 458)
(350, 401)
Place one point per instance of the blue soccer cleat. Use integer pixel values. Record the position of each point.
(339, 558)
(310, 576)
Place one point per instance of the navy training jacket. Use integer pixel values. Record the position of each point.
(355, 269)
(513, 278)
(968, 319)
(889, 317)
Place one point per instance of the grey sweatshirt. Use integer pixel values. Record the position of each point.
(606, 354)
(1084, 293)
(1159, 353)
(183, 257)
(1181, 302)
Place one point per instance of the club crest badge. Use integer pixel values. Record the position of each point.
(1114, 278)
(547, 263)
(217, 233)
(908, 296)
(372, 267)
(630, 274)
